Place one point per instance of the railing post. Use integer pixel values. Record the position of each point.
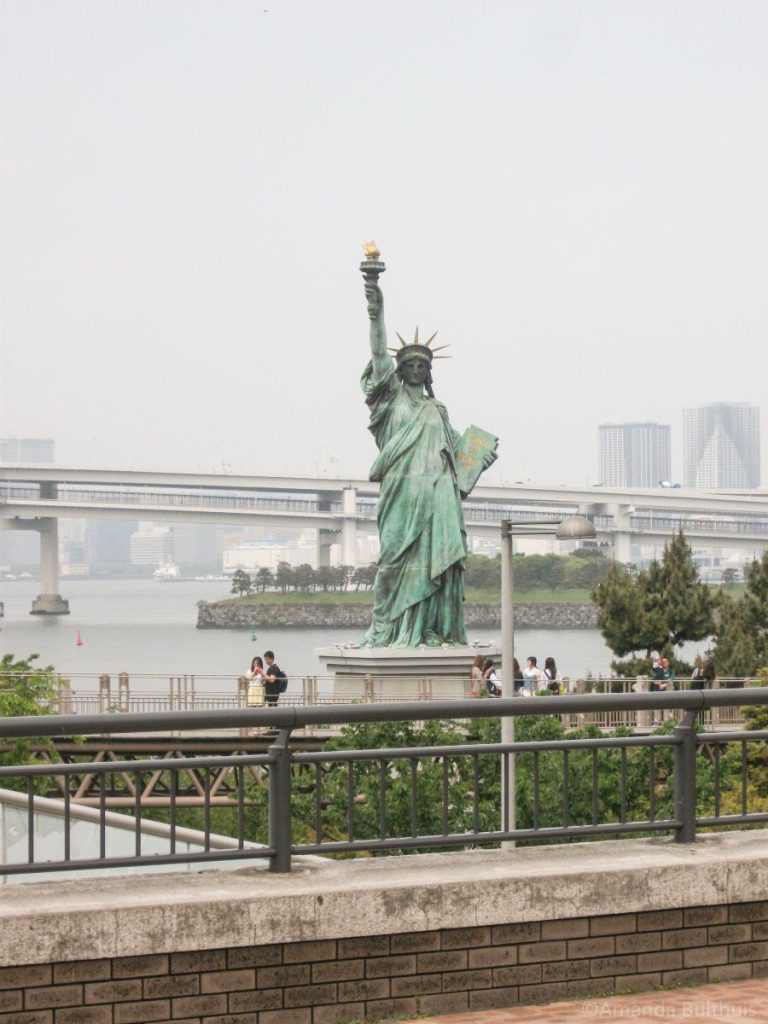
(104, 694)
(644, 718)
(65, 696)
(309, 689)
(280, 810)
(715, 713)
(123, 692)
(685, 779)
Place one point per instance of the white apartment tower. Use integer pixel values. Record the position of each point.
(722, 445)
(634, 454)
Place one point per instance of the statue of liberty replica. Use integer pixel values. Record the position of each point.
(425, 468)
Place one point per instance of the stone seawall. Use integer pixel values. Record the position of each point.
(222, 615)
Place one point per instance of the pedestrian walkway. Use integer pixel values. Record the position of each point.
(733, 1002)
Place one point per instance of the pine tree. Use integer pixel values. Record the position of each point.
(741, 636)
(241, 582)
(658, 608)
(686, 604)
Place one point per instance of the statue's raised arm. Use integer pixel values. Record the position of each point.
(372, 267)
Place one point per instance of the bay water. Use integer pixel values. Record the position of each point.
(147, 628)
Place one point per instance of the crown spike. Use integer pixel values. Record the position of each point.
(438, 348)
(403, 342)
(416, 336)
(429, 341)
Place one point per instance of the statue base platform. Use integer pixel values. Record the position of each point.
(50, 604)
(402, 673)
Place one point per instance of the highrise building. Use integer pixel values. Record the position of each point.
(721, 443)
(24, 450)
(108, 541)
(151, 545)
(634, 454)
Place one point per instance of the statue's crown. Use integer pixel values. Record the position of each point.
(415, 348)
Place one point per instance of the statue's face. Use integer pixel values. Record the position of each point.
(415, 370)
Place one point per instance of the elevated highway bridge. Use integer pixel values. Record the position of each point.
(36, 497)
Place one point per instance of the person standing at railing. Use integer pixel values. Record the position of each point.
(519, 679)
(274, 679)
(256, 683)
(476, 681)
(492, 681)
(554, 679)
(703, 674)
(534, 678)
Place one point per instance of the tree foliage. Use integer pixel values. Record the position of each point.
(658, 608)
(241, 583)
(580, 570)
(25, 689)
(264, 578)
(364, 576)
(741, 635)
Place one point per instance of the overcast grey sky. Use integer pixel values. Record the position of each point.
(573, 193)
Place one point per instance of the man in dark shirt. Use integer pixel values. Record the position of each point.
(274, 674)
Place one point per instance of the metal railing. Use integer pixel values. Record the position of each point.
(442, 784)
(147, 693)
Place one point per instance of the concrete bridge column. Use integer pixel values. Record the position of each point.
(49, 601)
(621, 538)
(325, 540)
(349, 529)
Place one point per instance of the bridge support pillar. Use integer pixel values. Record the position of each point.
(349, 529)
(325, 540)
(622, 540)
(49, 601)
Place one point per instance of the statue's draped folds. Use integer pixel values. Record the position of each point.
(419, 590)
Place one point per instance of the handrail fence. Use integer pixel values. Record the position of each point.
(284, 777)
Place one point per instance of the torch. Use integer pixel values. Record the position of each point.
(370, 268)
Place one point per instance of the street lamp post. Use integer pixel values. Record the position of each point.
(572, 528)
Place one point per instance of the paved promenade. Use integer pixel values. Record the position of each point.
(724, 1003)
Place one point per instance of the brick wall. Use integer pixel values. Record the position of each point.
(338, 980)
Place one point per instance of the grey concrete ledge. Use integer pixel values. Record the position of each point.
(51, 921)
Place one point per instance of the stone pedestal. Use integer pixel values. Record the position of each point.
(397, 673)
(50, 604)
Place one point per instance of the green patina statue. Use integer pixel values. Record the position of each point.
(425, 468)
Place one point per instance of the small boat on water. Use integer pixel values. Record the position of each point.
(167, 571)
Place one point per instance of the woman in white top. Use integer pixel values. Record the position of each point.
(534, 678)
(256, 678)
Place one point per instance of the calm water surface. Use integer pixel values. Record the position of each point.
(148, 627)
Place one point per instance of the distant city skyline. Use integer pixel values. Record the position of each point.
(26, 450)
(573, 195)
(722, 445)
(634, 454)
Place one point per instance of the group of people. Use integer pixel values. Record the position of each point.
(264, 684)
(527, 682)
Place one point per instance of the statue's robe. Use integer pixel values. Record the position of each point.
(419, 590)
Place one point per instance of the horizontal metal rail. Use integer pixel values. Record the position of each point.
(301, 715)
(346, 797)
